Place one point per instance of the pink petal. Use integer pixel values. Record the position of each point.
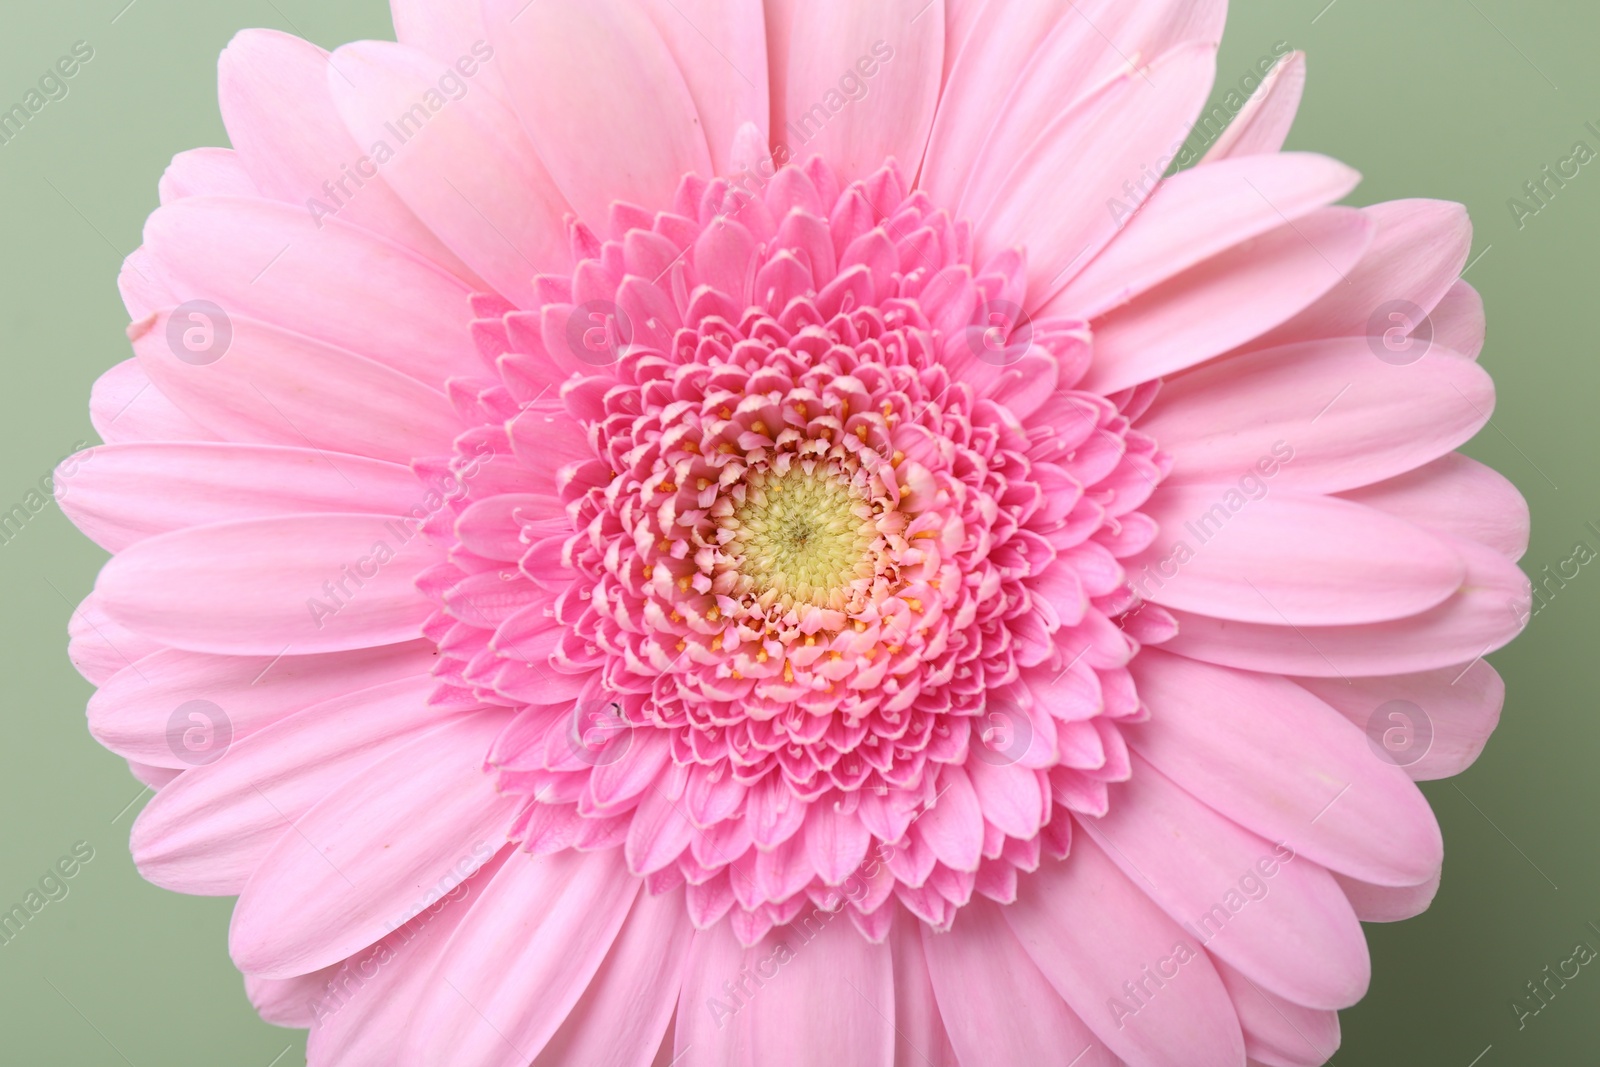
(1390, 904)
(720, 46)
(359, 862)
(1458, 321)
(99, 646)
(1264, 124)
(1458, 496)
(125, 408)
(1280, 1031)
(452, 31)
(917, 1022)
(206, 172)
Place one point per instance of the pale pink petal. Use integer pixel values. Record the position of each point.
(923, 1038)
(359, 863)
(1279, 1031)
(206, 172)
(1264, 124)
(288, 1001)
(453, 31)
(100, 646)
(1459, 496)
(1458, 322)
(125, 408)
(1390, 904)
(721, 48)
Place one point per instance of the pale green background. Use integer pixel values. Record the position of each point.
(1426, 97)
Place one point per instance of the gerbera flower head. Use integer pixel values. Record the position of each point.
(628, 485)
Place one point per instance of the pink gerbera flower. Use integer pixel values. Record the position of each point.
(699, 532)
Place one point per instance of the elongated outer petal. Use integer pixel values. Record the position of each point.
(1458, 322)
(273, 91)
(361, 1021)
(1090, 930)
(1343, 418)
(1197, 214)
(522, 959)
(99, 646)
(124, 408)
(1264, 124)
(120, 494)
(996, 1006)
(206, 172)
(1290, 558)
(721, 48)
(207, 832)
(1271, 757)
(287, 1002)
(920, 1028)
(1459, 496)
(132, 712)
(1279, 1031)
(1433, 724)
(1390, 904)
(257, 392)
(603, 101)
(1227, 300)
(273, 263)
(1416, 257)
(1492, 607)
(1093, 149)
(360, 862)
(451, 30)
(259, 587)
(823, 996)
(503, 214)
(630, 1003)
(1285, 923)
(830, 40)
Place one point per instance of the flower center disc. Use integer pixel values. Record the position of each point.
(801, 536)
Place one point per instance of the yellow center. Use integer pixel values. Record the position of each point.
(801, 537)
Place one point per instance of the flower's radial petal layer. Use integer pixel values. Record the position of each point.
(257, 393)
(1289, 558)
(360, 861)
(1021, 65)
(997, 1007)
(521, 959)
(1459, 496)
(132, 712)
(157, 778)
(1224, 302)
(1350, 418)
(281, 120)
(121, 494)
(1090, 930)
(825, 41)
(831, 1001)
(448, 30)
(630, 1003)
(262, 586)
(1485, 615)
(1093, 149)
(921, 1029)
(602, 100)
(272, 262)
(1458, 322)
(1281, 763)
(1298, 938)
(1390, 904)
(99, 646)
(1278, 1031)
(721, 48)
(1451, 711)
(1264, 124)
(125, 408)
(1198, 214)
(139, 281)
(287, 1002)
(206, 172)
(503, 214)
(1416, 256)
(362, 1019)
(208, 832)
